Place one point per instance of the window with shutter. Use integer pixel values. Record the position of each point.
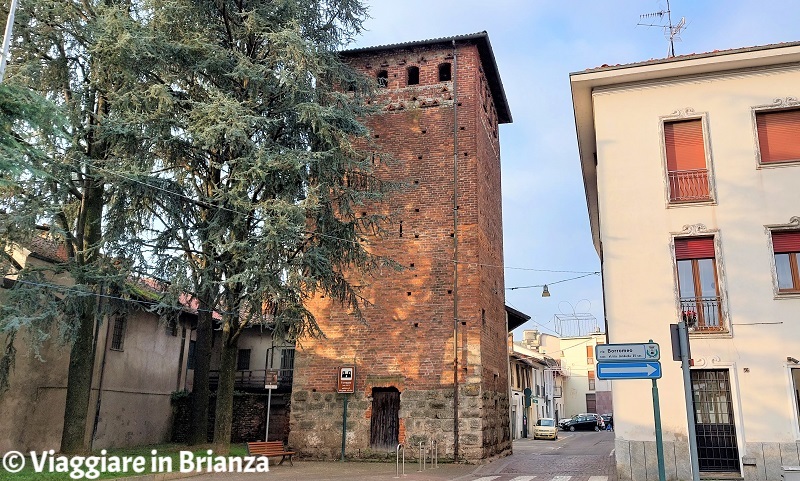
(697, 283)
(778, 136)
(687, 169)
(786, 249)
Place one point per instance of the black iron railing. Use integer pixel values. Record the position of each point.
(702, 313)
(252, 379)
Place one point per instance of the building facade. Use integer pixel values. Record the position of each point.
(583, 392)
(691, 166)
(442, 103)
(139, 362)
(529, 396)
(571, 372)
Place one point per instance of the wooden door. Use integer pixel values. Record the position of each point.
(385, 421)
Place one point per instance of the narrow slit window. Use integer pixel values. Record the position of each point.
(445, 72)
(413, 75)
(383, 79)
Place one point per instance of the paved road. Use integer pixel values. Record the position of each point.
(579, 456)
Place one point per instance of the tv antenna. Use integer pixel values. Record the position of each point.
(672, 32)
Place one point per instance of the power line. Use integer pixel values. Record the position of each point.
(556, 282)
(109, 296)
(328, 236)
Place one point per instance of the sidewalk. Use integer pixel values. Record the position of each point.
(338, 471)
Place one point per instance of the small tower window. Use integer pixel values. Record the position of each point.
(383, 78)
(445, 74)
(413, 75)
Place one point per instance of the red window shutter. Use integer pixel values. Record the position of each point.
(684, 143)
(779, 135)
(694, 248)
(786, 241)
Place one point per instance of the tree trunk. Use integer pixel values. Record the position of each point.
(81, 359)
(198, 433)
(224, 409)
(79, 383)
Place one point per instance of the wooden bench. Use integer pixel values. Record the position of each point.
(270, 449)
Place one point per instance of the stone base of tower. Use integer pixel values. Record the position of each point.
(425, 416)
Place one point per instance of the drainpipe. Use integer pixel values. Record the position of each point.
(455, 255)
(100, 383)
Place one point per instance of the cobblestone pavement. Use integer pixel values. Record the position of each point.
(573, 457)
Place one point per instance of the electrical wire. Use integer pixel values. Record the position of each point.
(68, 289)
(328, 236)
(556, 282)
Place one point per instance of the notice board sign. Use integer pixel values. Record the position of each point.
(347, 380)
(271, 380)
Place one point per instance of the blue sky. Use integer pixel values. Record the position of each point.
(537, 44)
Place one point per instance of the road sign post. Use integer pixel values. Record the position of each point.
(270, 383)
(346, 384)
(685, 354)
(635, 361)
(662, 476)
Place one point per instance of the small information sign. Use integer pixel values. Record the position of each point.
(347, 379)
(271, 381)
(648, 351)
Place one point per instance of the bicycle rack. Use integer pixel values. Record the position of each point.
(422, 454)
(399, 448)
(435, 454)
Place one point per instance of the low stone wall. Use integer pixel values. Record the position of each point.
(249, 417)
(316, 424)
(637, 461)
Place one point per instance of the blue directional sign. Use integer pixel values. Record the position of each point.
(629, 370)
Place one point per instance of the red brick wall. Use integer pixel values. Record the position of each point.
(407, 339)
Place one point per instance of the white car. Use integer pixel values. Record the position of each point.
(546, 429)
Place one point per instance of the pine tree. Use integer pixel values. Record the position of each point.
(244, 123)
(58, 183)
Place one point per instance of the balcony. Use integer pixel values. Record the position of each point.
(253, 380)
(703, 314)
(688, 185)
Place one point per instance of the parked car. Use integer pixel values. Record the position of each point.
(583, 422)
(608, 419)
(545, 428)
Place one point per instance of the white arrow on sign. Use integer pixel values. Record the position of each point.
(648, 369)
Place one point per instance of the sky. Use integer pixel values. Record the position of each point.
(537, 43)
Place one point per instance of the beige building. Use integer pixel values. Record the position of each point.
(578, 390)
(139, 362)
(691, 167)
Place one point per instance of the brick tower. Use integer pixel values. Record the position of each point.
(405, 389)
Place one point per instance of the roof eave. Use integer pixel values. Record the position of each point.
(488, 61)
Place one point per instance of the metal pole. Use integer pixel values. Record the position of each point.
(7, 38)
(454, 76)
(269, 405)
(344, 425)
(662, 476)
(397, 460)
(683, 335)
